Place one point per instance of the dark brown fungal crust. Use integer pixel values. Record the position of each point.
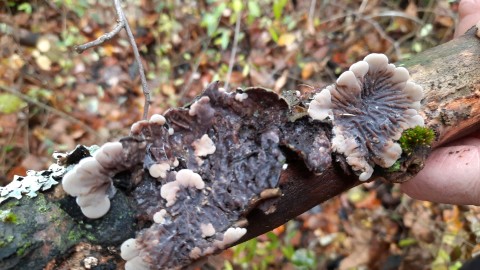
(250, 130)
(314, 150)
(181, 220)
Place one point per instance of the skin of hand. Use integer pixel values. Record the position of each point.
(452, 172)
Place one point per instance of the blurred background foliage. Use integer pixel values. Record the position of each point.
(52, 99)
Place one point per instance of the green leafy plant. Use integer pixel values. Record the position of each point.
(25, 7)
(278, 6)
(267, 253)
(10, 103)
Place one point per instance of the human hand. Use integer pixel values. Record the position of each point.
(452, 172)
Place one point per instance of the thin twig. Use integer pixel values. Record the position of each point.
(105, 37)
(141, 71)
(122, 23)
(234, 50)
(311, 15)
(52, 110)
(384, 35)
(186, 87)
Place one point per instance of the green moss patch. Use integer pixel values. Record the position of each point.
(416, 137)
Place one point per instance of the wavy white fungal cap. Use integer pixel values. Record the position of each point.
(188, 178)
(83, 177)
(108, 154)
(196, 253)
(207, 229)
(159, 216)
(130, 252)
(169, 192)
(90, 179)
(136, 127)
(183, 178)
(194, 107)
(230, 236)
(129, 249)
(136, 263)
(94, 205)
(204, 146)
(321, 106)
(159, 170)
(370, 106)
(157, 119)
(241, 97)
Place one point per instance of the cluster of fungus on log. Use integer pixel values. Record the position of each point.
(197, 172)
(369, 107)
(203, 169)
(227, 154)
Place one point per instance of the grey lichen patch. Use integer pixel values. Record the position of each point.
(369, 107)
(32, 183)
(36, 181)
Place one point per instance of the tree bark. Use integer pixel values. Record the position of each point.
(46, 232)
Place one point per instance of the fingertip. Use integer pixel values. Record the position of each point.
(451, 175)
(469, 15)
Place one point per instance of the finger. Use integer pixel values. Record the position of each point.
(451, 175)
(468, 15)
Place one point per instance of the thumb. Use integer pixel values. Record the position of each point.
(469, 15)
(451, 175)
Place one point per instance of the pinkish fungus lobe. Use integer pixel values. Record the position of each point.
(369, 107)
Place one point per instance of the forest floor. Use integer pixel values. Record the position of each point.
(52, 99)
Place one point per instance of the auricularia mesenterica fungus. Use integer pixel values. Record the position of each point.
(90, 180)
(369, 107)
(197, 172)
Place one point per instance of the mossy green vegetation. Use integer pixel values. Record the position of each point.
(7, 216)
(4, 241)
(415, 137)
(411, 139)
(395, 167)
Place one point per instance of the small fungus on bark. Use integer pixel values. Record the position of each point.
(90, 180)
(369, 107)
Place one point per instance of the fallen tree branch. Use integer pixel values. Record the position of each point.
(450, 107)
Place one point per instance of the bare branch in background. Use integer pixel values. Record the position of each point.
(234, 49)
(122, 23)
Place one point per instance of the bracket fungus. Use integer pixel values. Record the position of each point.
(90, 180)
(198, 172)
(369, 107)
(203, 168)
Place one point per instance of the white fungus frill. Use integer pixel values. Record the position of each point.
(90, 180)
(369, 106)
